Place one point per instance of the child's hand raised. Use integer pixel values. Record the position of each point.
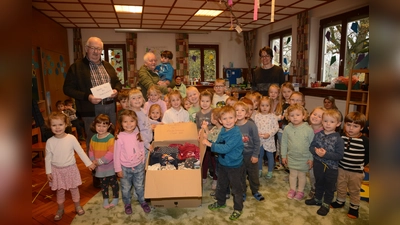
(320, 152)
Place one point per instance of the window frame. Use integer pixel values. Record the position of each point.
(202, 48)
(343, 18)
(281, 35)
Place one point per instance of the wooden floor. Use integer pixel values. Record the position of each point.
(45, 205)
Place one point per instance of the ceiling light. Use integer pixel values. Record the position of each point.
(128, 8)
(204, 12)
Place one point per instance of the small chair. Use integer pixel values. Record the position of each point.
(40, 146)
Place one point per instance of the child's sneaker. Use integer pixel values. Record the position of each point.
(291, 193)
(235, 215)
(128, 209)
(353, 213)
(204, 181)
(215, 206)
(337, 204)
(268, 176)
(323, 210)
(258, 196)
(299, 196)
(214, 185)
(260, 173)
(313, 201)
(312, 193)
(146, 208)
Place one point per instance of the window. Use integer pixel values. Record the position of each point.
(116, 56)
(344, 44)
(281, 44)
(203, 62)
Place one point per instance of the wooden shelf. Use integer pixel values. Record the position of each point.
(364, 102)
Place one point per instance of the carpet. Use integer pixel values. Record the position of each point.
(275, 209)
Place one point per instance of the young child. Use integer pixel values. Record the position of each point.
(61, 170)
(219, 96)
(212, 135)
(176, 113)
(251, 108)
(276, 108)
(123, 99)
(79, 124)
(229, 146)
(251, 141)
(255, 97)
(193, 96)
(296, 140)
(166, 100)
(186, 103)
(267, 125)
(327, 150)
(351, 166)
(154, 97)
(231, 101)
(129, 160)
(136, 100)
(60, 106)
(101, 152)
(155, 114)
(164, 69)
(181, 87)
(315, 121)
(204, 116)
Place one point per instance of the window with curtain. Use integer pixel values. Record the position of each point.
(281, 44)
(203, 62)
(344, 44)
(115, 54)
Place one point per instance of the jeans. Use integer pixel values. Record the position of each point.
(270, 157)
(132, 177)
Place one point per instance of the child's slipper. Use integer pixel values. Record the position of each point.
(59, 215)
(79, 210)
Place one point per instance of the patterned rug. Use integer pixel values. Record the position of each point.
(275, 209)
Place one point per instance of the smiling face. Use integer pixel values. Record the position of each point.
(150, 61)
(316, 117)
(102, 129)
(241, 112)
(58, 126)
(327, 104)
(94, 48)
(265, 58)
(154, 96)
(295, 98)
(155, 113)
(228, 120)
(136, 101)
(176, 101)
(124, 103)
(128, 123)
(205, 102)
(286, 93)
(193, 96)
(273, 93)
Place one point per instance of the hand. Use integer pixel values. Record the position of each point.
(114, 94)
(94, 100)
(153, 126)
(284, 161)
(320, 152)
(92, 167)
(266, 135)
(95, 162)
(49, 177)
(119, 174)
(254, 159)
(151, 148)
(206, 142)
(310, 163)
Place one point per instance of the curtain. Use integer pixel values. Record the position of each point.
(302, 47)
(77, 43)
(182, 57)
(249, 40)
(131, 49)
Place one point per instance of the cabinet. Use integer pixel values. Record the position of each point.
(363, 104)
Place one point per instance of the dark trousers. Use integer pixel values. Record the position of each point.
(325, 181)
(233, 177)
(80, 127)
(251, 172)
(112, 181)
(208, 159)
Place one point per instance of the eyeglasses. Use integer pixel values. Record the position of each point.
(219, 86)
(296, 100)
(265, 56)
(94, 48)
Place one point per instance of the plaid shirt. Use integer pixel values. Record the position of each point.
(99, 75)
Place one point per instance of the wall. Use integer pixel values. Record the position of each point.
(52, 38)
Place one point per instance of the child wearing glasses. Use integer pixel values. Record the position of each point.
(219, 97)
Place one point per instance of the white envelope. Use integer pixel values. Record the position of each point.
(102, 91)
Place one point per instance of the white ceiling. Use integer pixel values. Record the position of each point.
(169, 14)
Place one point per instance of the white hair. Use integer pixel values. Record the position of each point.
(94, 39)
(147, 55)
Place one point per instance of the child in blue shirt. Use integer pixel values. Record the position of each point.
(164, 69)
(229, 146)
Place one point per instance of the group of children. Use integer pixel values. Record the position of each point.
(237, 134)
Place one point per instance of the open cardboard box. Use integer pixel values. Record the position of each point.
(175, 188)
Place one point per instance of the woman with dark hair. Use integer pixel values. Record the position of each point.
(267, 73)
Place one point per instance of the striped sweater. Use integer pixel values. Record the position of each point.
(356, 154)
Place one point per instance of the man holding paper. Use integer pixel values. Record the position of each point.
(93, 84)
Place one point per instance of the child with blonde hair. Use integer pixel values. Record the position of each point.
(193, 95)
(129, 160)
(186, 103)
(315, 121)
(296, 139)
(176, 113)
(154, 97)
(267, 125)
(136, 101)
(231, 101)
(219, 96)
(166, 100)
(60, 164)
(101, 152)
(327, 149)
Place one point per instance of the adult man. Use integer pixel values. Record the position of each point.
(147, 76)
(90, 72)
(268, 73)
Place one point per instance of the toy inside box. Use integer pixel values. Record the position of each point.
(342, 86)
(175, 188)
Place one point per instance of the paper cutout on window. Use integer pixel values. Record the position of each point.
(194, 58)
(360, 57)
(288, 40)
(285, 61)
(333, 60)
(354, 27)
(328, 36)
(275, 48)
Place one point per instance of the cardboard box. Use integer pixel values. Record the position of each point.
(175, 188)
